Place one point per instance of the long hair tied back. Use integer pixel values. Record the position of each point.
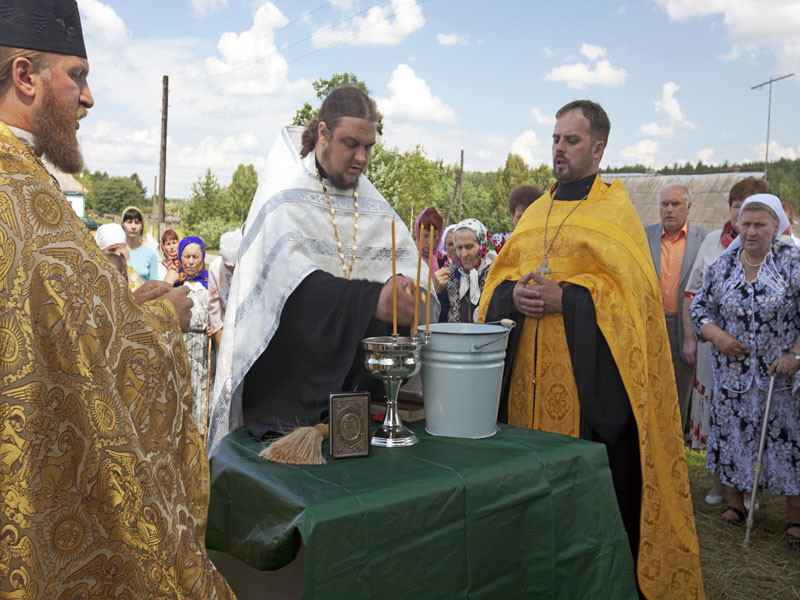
(342, 102)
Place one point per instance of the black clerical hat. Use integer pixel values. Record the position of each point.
(43, 25)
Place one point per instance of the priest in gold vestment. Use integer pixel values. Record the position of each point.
(591, 358)
(104, 481)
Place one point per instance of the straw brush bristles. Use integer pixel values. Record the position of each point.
(303, 446)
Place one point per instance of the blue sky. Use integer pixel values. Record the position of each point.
(485, 77)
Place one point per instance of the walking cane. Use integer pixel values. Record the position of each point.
(757, 467)
(208, 389)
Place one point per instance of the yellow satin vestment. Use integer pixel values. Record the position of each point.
(103, 475)
(602, 247)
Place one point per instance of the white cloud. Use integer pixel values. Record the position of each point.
(412, 99)
(102, 22)
(542, 119)
(201, 8)
(668, 105)
(705, 155)
(643, 152)
(548, 52)
(451, 39)
(528, 146)
(749, 24)
(654, 128)
(776, 151)
(251, 59)
(380, 26)
(621, 10)
(220, 154)
(592, 52)
(580, 75)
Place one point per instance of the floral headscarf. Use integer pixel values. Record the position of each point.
(170, 263)
(486, 256)
(429, 216)
(202, 274)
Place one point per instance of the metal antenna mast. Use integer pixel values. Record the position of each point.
(769, 111)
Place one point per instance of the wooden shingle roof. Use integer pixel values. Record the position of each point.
(709, 195)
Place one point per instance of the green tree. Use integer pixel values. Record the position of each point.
(112, 194)
(205, 200)
(239, 194)
(418, 184)
(323, 87)
(386, 172)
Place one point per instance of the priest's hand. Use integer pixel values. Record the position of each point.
(526, 299)
(405, 301)
(179, 297)
(150, 290)
(550, 293)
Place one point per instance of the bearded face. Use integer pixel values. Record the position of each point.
(54, 125)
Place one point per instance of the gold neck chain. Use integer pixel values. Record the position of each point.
(544, 269)
(346, 270)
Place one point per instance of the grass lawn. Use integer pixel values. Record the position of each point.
(768, 569)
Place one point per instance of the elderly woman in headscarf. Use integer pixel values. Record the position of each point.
(193, 274)
(474, 255)
(111, 240)
(698, 352)
(747, 308)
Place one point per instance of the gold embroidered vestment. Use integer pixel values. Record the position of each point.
(602, 247)
(103, 476)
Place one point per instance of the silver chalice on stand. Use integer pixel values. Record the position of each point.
(393, 359)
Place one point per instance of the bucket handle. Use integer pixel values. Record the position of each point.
(506, 323)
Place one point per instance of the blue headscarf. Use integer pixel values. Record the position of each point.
(202, 274)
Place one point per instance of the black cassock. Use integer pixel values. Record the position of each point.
(606, 414)
(316, 350)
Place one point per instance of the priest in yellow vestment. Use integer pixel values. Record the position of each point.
(104, 481)
(592, 359)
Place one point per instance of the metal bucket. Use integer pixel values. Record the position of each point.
(462, 369)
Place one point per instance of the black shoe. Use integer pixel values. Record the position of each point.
(792, 540)
(739, 516)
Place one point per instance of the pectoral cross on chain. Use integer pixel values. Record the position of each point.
(544, 269)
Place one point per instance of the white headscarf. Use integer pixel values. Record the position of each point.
(470, 281)
(774, 203)
(109, 234)
(442, 249)
(229, 243)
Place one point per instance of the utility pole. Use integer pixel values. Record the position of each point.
(154, 213)
(162, 168)
(769, 111)
(460, 186)
(455, 193)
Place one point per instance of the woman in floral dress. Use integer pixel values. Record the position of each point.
(748, 309)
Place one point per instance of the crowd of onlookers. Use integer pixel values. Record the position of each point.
(739, 302)
(179, 262)
(731, 301)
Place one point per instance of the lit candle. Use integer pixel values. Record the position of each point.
(394, 285)
(430, 293)
(416, 292)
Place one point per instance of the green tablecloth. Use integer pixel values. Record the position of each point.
(523, 514)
